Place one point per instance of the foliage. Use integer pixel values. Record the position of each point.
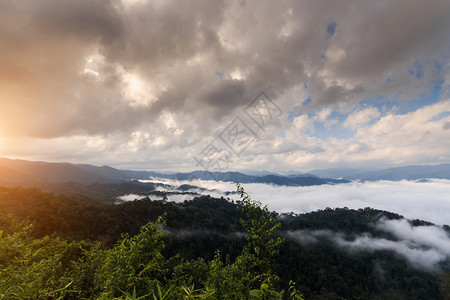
(134, 263)
(251, 274)
(213, 248)
(192, 293)
(232, 280)
(445, 286)
(47, 267)
(262, 245)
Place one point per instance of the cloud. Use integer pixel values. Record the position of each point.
(446, 126)
(415, 200)
(423, 246)
(420, 258)
(427, 201)
(108, 69)
(430, 236)
(361, 117)
(388, 139)
(174, 140)
(397, 137)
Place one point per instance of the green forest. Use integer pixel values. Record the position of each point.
(80, 247)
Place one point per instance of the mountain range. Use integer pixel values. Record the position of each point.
(35, 173)
(415, 172)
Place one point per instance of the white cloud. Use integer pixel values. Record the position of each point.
(418, 137)
(415, 136)
(324, 113)
(423, 246)
(429, 201)
(361, 117)
(303, 123)
(430, 236)
(108, 70)
(420, 258)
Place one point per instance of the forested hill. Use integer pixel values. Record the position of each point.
(330, 254)
(14, 172)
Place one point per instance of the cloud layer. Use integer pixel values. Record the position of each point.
(157, 80)
(423, 246)
(429, 201)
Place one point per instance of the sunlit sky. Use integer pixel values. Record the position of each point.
(226, 85)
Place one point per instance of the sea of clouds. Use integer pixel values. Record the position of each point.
(423, 246)
(429, 200)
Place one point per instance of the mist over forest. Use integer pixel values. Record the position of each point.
(360, 230)
(214, 149)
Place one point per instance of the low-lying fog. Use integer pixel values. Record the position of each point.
(423, 246)
(429, 201)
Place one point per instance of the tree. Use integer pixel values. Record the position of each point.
(263, 245)
(251, 275)
(445, 286)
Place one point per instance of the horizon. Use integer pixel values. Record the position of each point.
(256, 85)
(246, 171)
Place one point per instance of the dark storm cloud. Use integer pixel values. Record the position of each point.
(343, 54)
(81, 18)
(225, 93)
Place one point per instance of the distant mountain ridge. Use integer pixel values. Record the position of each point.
(292, 180)
(415, 172)
(32, 173)
(339, 172)
(37, 173)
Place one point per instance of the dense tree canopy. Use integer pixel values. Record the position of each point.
(206, 248)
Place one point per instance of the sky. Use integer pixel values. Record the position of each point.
(226, 85)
